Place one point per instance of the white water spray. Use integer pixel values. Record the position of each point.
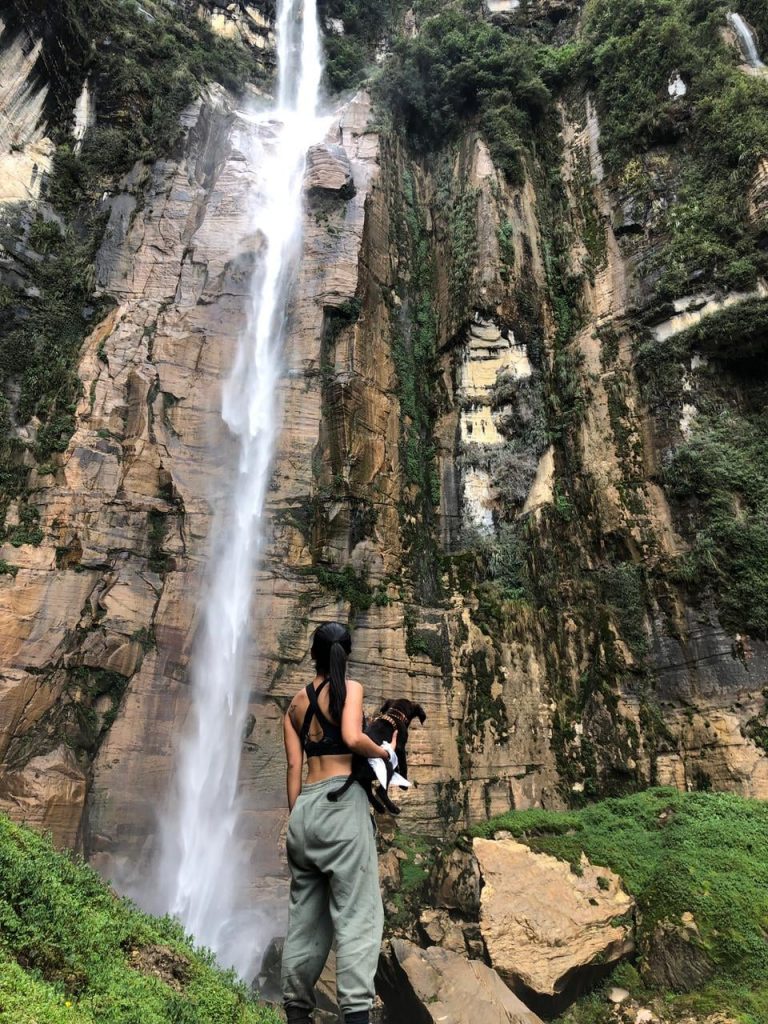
(199, 876)
(747, 40)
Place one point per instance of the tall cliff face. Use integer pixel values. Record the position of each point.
(508, 399)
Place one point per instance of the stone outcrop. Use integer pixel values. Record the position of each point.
(757, 195)
(26, 152)
(249, 23)
(676, 957)
(543, 923)
(127, 505)
(457, 883)
(328, 171)
(436, 986)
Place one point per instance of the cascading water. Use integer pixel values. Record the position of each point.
(747, 40)
(198, 874)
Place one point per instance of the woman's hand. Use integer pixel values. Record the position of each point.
(352, 725)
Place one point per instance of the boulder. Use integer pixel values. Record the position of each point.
(48, 794)
(427, 986)
(457, 884)
(675, 957)
(542, 923)
(328, 171)
(389, 871)
(442, 931)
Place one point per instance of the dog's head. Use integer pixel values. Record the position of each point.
(402, 712)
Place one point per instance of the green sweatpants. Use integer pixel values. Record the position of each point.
(334, 891)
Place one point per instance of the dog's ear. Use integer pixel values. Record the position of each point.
(419, 712)
(386, 706)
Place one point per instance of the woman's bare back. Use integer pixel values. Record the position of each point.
(327, 765)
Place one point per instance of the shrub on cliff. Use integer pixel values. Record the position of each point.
(720, 477)
(716, 133)
(458, 71)
(365, 24)
(71, 952)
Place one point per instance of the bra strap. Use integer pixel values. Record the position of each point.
(313, 711)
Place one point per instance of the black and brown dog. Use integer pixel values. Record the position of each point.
(396, 714)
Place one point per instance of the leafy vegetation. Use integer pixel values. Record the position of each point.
(349, 54)
(720, 476)
(350, 586)
(41, 335)
(71, 952)
(461, 70)
(409, 896)
(414, 350)
(628, 51)
(145, 63)
(701, 853)
(736, 335)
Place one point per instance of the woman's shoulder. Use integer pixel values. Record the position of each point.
(353, 683)
(299, 700)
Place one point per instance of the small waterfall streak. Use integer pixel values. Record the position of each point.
(200, 859)
(747, 40)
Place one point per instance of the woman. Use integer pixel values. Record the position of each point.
(331, 846)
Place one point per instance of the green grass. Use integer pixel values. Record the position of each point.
(66, 943)
(410, 896)
(706, 853)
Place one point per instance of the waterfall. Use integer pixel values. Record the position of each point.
(199, 872)
(85, 115)
(747, 40)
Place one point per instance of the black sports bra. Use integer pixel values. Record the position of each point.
(331, 743)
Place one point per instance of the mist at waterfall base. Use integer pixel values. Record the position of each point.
(202, 875)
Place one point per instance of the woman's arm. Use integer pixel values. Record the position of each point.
(352, 725)
(295, 758)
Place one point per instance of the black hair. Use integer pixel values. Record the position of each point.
(331, 645)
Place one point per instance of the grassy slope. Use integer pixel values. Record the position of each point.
(67, 944)
(700, 852)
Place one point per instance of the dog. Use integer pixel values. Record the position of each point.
(393, 714)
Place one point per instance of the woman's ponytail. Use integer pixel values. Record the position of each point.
(338, 681)
(331, 645)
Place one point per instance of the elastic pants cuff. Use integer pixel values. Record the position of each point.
(359, 1017)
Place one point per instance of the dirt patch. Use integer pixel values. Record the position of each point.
(161, 962)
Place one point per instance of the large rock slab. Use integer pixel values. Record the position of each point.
(542, 923)
(48, 794)
(329, 171)
(427, 986)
